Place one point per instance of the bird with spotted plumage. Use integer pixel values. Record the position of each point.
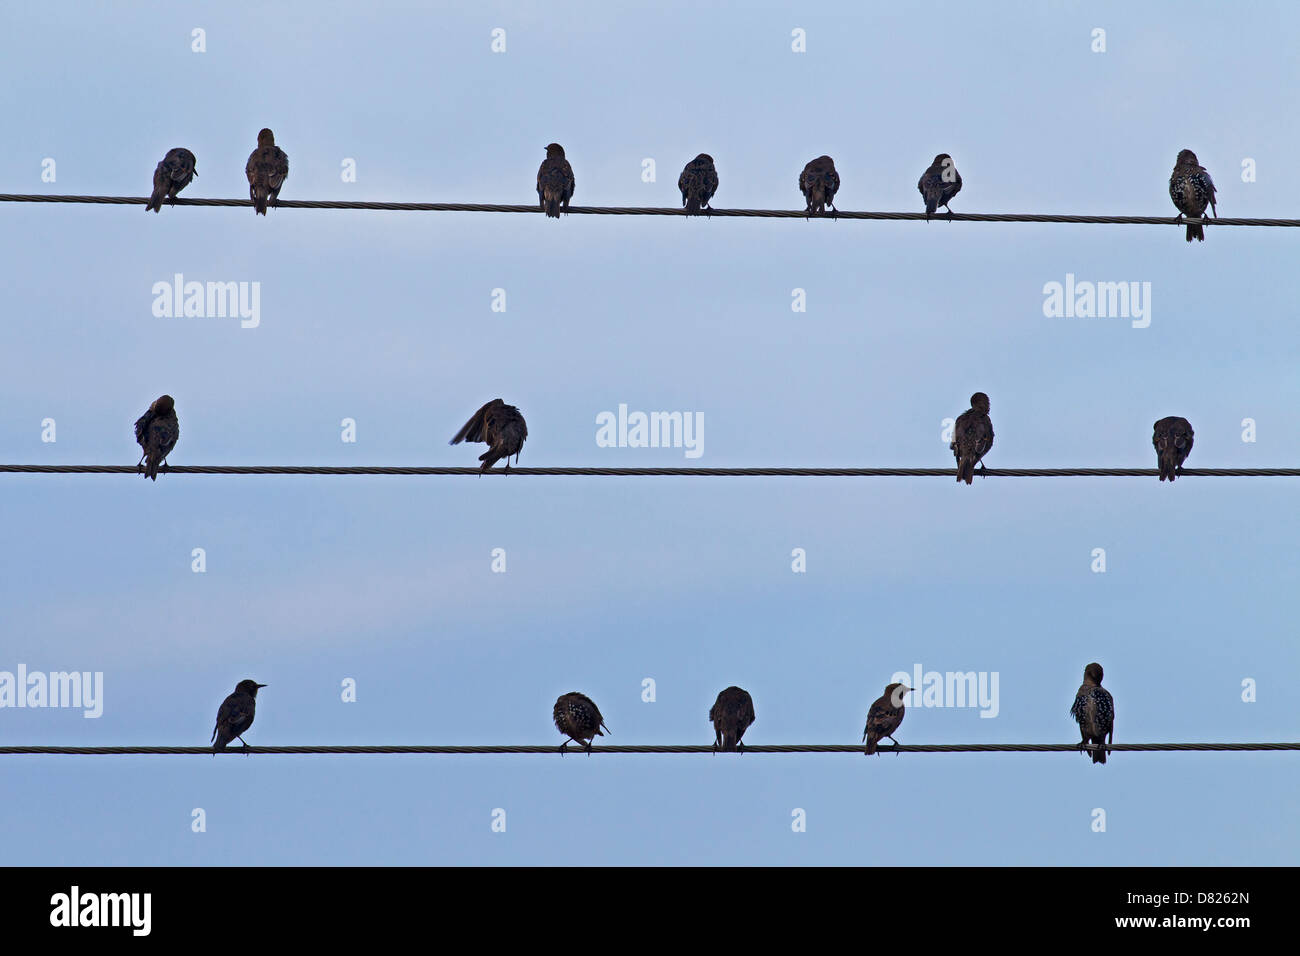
(884, 717)
(1094, 710)
(267, 169)
(731, 714)
(1192, 190)
(555, 182)
(819, 182)
(972, 437)
(156, 432)
(1172, 439)
(170, 176)
(578, 718)
(501, 427)
(698, 182)
(236, 715)
(939, 184)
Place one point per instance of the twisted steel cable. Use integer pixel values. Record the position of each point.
(587, 471)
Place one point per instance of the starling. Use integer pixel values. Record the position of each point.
(731, 713)
(939, 184)
(1094, 709)
(884, 716)
(698, 182)
(267, 169)
(1191, 189)
(170, 176)
(236, 715)
(972, 437)
(1173, 443)
(501, 427)
(819, 182)
(156, 432)
(555, 181)
(577, 717)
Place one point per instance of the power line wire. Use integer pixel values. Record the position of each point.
(658, 211)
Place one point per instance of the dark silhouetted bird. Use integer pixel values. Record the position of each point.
(698, 182)
(1173, 443)
(555, 181)
(939, 184)
(501, 426)
(972, 437)
(1094, 709)
(819, 182)
(1192, 190)
(156, 432)
(236, 715)
(577, 717)
(267, 169)
(171, 176)
(731, 713)
(884, 716)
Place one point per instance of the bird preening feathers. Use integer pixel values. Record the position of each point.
(1192, 190)
(972, 437)
(171, 176)
(698, 182)
(236, 715)
(267, 169)
(819, 182)
(1094, 709)
(1173, 443)
(939, 184)
(501, 427)
(578, 718)
(731, 714)
(156, 432)
(884, 717)
(555, 182)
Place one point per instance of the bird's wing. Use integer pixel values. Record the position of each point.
(142, 427)
(474, 428)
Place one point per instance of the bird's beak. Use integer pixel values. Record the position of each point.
(261, 685)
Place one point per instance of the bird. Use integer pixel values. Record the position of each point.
(577, 717)
(170, 176)
(731, 713)
(267, 169)
(1172, 439)
(156, 432)
(884, 716)
(819, 182)
(1191, 189)
(939, 184)
(972, 437)
(554, 181)
(501, 427)
(1094, 709)
(236, 715)
(698, 182)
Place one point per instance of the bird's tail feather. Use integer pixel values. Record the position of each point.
(871, 744)
(155, 202)
(1099, 755)
(259, 194)
(552, 199)
(1195, 232)
(692, 204)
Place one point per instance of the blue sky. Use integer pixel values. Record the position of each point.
(385, 318)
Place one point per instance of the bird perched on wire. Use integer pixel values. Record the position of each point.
(156, 432)
(267, 169)
(170, 176)
(731, 713)
(1172, 439)
(236, 715)
(555, 181)
(501, 427)
(1094, 709)
(819, 182)
(939, 184)
(577, 717)
(884, 717)
(1192, 190)
(698, 182)
(972, 437)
